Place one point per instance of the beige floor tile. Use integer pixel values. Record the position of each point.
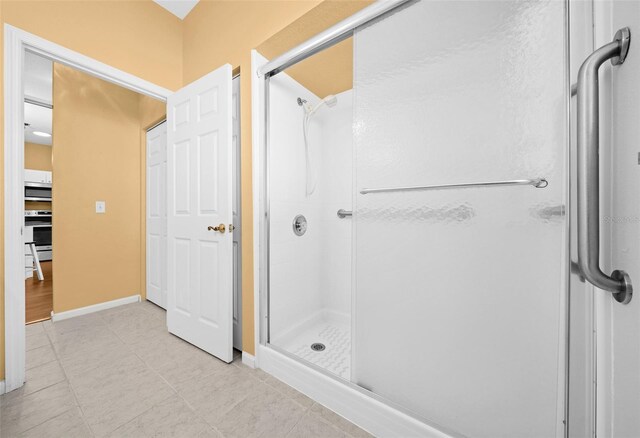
(290, 392)
(265, 413)
(160, 349)
(82, 322)
(134, 324)
(36, 340)
(256, 373)
(68, 425)
(214, 395)
(39, 356)
(34, 328)
(20, 413)
(124, 369)
(340, 422)
(155, 311)
(312, 426)
(87, 354)
(169, 418)
(42, 376)
(86, 336)
(190, 363)
(115, 393)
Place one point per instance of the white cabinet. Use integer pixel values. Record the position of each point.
(37, 176)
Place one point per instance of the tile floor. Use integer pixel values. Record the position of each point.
(119, 373)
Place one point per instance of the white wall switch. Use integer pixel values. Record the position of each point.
(101, 207)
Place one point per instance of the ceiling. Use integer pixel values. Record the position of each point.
(38, 87)
(179, 8)
(39, 120)
(38, 78)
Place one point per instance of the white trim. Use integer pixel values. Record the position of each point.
(2, 387)
(248, 359)
(372, 415)
(257, 125)
(16, 41)
(55, 317)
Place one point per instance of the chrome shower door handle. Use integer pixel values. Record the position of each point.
(619, 283)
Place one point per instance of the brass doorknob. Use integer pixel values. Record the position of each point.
(220, 228)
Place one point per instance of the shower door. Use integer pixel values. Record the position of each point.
(461, 292)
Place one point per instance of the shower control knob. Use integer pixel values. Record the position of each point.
(220, 228)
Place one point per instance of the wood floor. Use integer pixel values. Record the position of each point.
(39, 295)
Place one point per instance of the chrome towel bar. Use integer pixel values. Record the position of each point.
(539, 183)
(342, 213)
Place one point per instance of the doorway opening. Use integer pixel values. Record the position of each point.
(38, 218)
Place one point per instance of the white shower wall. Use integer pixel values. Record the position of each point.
(310, 275)
(335, 179)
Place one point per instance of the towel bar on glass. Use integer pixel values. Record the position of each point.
(539, 183)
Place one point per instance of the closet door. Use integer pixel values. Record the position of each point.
(157, 215)
(461, 292)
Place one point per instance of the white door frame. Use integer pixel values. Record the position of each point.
(16, 42)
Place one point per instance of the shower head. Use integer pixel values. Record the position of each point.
(330, 101)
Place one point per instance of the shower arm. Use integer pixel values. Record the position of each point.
(619, 283)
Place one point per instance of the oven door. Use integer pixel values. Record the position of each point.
(42, 235)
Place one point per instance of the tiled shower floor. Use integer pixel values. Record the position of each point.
(335, 335)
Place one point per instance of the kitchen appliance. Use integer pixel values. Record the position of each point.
(39, 226)
(35, 191)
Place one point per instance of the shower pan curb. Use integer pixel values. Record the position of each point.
(368, 413)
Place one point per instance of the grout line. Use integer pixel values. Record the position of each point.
(72, 389)
(304, 414)
(186, 402)
(130, 349)
(66, 380)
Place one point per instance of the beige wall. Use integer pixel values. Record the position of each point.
(141, 38)
(37, 156)
(135, 36)
(96, 157)
(330, 71)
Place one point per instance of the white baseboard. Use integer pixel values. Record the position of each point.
(94, 308)
(356, 406)
(248, 360)
(3, 388)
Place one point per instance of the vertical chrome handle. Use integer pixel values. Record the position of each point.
(619, 282)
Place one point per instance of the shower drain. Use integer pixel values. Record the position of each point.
(317, 346)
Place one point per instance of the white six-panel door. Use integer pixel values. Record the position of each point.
(199, 168)
(157, 215)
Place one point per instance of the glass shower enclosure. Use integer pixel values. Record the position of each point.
(415, 237)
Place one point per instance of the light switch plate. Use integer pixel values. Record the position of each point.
(101, 207)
